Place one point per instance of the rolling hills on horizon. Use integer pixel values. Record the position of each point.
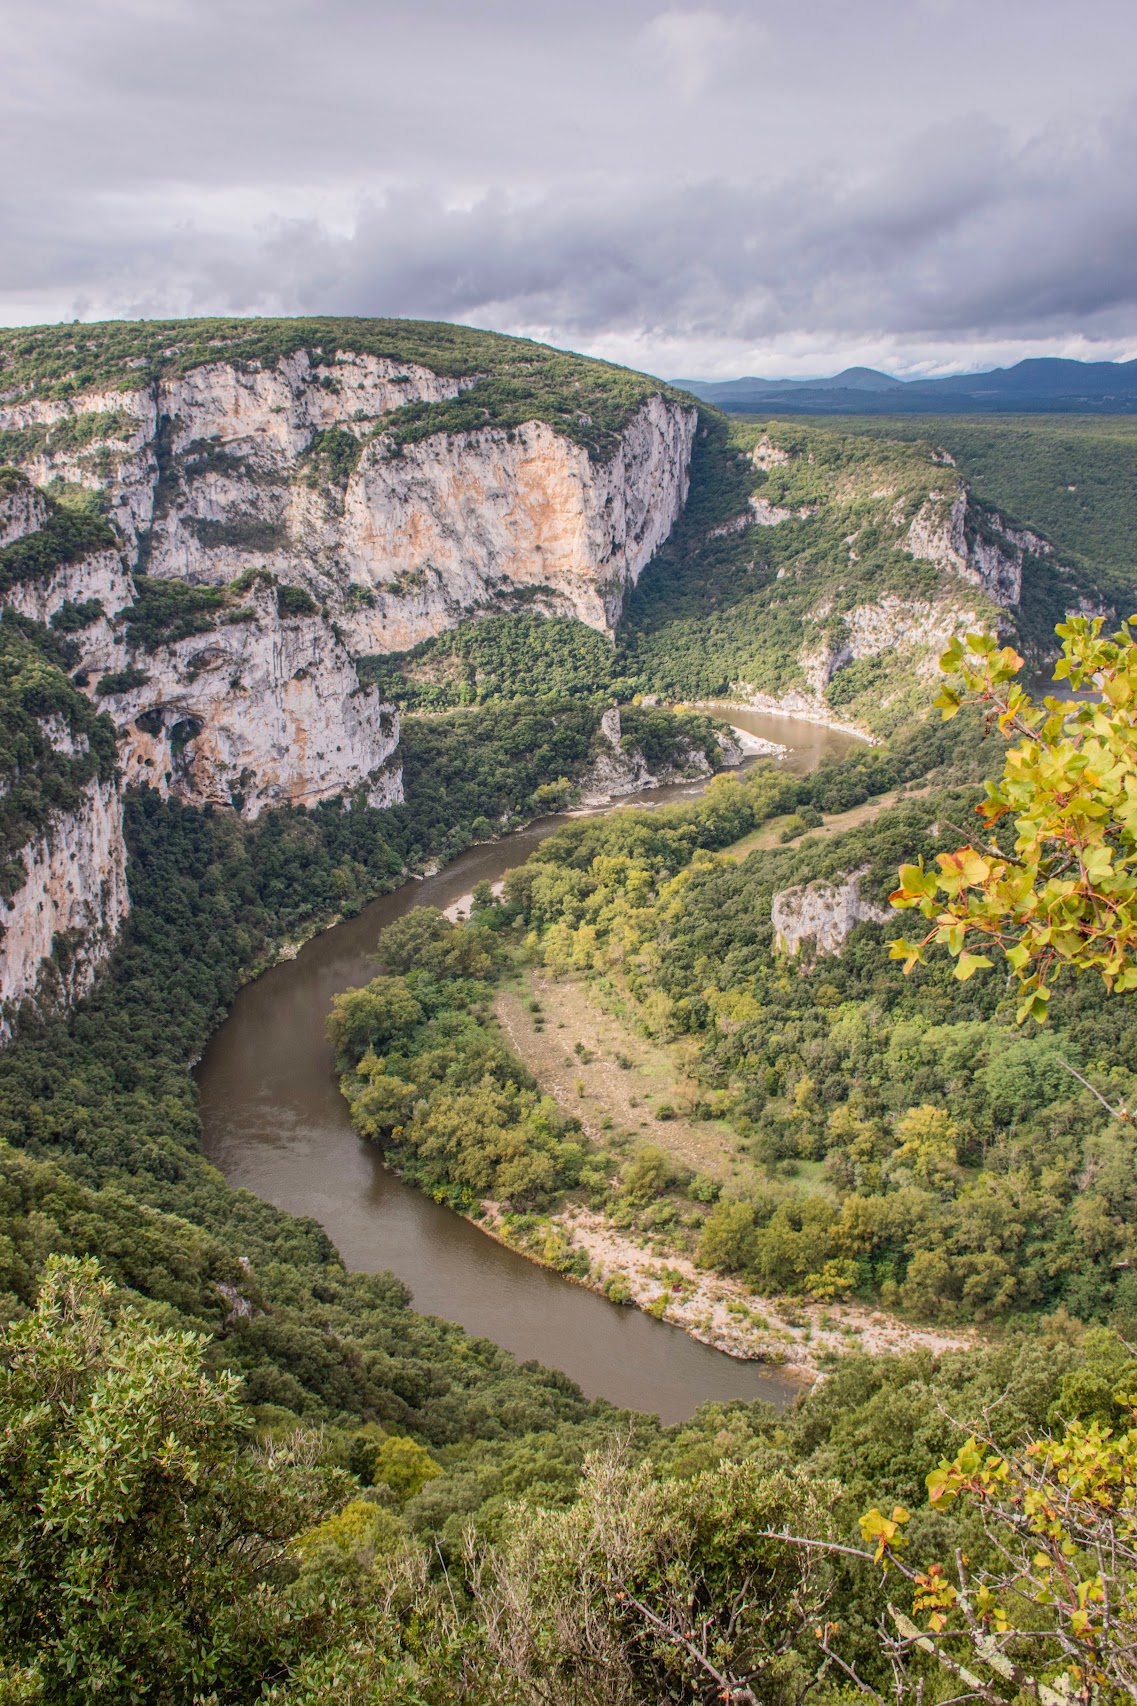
(1038, 385)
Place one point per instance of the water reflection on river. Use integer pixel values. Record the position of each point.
(276, 1124)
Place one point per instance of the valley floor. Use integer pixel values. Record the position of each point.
(615, 1081)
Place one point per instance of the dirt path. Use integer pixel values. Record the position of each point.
(770, 834)
(602, 1071)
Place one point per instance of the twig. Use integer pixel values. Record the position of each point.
(988, 847)
(1119, 1113)
(731, 1690)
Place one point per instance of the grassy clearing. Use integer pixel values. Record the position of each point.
(770, 834)
(576, 1051)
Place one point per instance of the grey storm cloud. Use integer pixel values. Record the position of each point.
(926, 181)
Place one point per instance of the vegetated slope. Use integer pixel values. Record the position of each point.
(824, 571)
(102, 1156)
(813, 567)
(481, 773)
(907, 1140)
(516, 380)
(501, 657)
(1073, 478)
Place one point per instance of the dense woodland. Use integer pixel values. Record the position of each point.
(1071, 477)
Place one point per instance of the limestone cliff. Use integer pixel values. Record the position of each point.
(264, 709)
(818, 916)
(61, 922)
(457, 525)
(258, 703)
(23, 510)
(978, 544)
(62, 854)
(291, 467)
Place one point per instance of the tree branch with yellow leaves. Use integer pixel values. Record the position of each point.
(1065, 896)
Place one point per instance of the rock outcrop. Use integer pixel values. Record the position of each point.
(265, 710)
(818, 916)
(236, 466)
(23, 509)
(979, 545)
(920, 627)
(619, 769)
(56, 929)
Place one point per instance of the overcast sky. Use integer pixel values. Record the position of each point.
(699, 190)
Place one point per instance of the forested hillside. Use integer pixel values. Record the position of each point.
(511, 380)
(1072, 478)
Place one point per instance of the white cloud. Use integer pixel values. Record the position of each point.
(698, 49)
(669, 187)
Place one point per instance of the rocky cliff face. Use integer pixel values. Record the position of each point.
(454, 526)
(919, 627)
(264, 709)
(234, 466)
(61, 923)
(978, 545)
(818, 916)
(292, 530)
(260, 704)
(23, 510)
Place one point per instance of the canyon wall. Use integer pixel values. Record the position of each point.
(60, 924)
(318, 534)
(899, 504)
(454, 526)
(234, 467)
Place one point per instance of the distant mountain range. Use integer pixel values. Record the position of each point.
(1043, 385)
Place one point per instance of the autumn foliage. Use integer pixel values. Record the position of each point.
(1059, 889)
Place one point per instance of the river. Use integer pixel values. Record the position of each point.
(275, 1123)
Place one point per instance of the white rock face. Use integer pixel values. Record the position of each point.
(919, 626)
(979, 547)
(453, 526)
(265, 711)
(101, 576)
(268, 711)
(75, 892)
(615, 773)
(767, 455)
(211, 476)
(820, 915)
(259, 420)
(23, 510)
(765, 514)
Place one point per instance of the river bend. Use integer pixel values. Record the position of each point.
(275, 1123)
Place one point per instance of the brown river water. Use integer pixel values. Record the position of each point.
(276, 1124)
